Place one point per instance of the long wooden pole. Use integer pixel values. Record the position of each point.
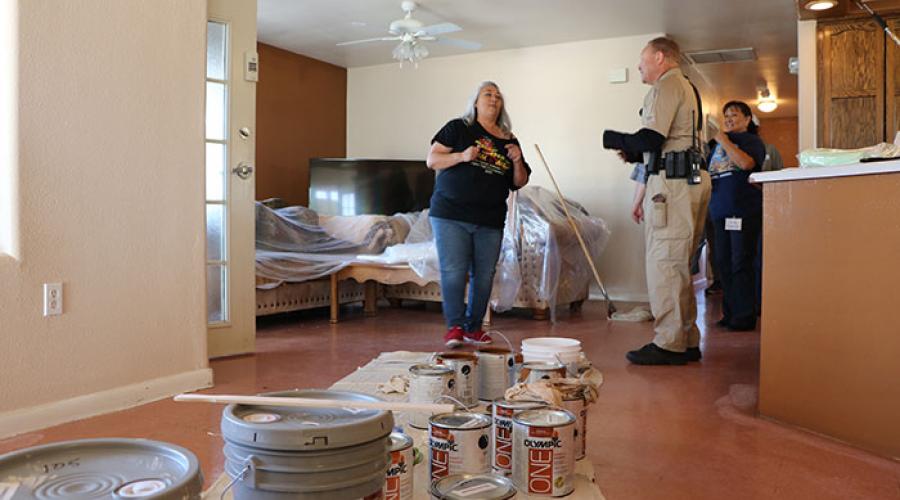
(610, 307)
(313, 403)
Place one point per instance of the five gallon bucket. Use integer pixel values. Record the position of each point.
(101, 468)
(307, 453)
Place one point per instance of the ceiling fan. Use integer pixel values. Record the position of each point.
(412, 34)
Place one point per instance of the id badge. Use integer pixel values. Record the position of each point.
(733, 224)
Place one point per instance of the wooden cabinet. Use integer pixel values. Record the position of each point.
(852, 81)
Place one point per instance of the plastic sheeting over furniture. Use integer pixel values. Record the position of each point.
(292, 245)
(540, 254)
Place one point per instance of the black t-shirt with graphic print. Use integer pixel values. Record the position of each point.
(474, 191)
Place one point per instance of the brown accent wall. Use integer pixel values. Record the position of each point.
(830, 340)
(784, 134)
(301, 113)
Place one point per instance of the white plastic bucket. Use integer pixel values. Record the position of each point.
(551, 344)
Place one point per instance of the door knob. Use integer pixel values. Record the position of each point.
(243, 170)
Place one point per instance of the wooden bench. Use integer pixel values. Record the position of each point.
(371, 274)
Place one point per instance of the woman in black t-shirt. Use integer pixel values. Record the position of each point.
(736, 212)
(478, 161)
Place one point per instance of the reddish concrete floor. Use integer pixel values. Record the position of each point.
(657, 432)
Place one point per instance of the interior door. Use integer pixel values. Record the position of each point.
(230, 186)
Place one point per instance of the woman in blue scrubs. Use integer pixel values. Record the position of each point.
(736, 212)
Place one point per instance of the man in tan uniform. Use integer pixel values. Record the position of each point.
(675, 202)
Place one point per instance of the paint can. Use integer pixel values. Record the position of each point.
(279, 452)
(534, 371)
(465, 366)
(501, 433)
(577, 405)
(398, 484)
(428, 383)
(458, 443)
(544, 452)
(469, 486)
(496, 372)
(95, 468)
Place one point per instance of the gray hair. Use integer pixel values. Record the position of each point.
(471, 113)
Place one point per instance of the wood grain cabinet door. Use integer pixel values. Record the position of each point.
(892, 85)
(851, 85)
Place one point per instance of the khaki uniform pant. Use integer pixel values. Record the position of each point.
(673, 225)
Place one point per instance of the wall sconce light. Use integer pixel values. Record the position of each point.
(766, 102)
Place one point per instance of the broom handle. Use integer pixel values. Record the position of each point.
(313, 403)
(584, 247)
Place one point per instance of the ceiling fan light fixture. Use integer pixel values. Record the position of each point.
(819, 5)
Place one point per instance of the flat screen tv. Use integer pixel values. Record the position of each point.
(349, 186)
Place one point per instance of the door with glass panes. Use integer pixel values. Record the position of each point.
(230, 187)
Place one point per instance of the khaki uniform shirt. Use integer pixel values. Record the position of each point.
(670, 108)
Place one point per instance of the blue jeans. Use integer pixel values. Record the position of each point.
(466, 249)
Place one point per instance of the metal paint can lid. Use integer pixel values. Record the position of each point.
(547, 417)
(430, 370)
(469, 486)
(300, 429)
(400, 441)
(461, 420)
(457, 356)
(519, 405)
(501, 351)
(95, 468)
(543, 366)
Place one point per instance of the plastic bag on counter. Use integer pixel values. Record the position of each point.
(825, 157)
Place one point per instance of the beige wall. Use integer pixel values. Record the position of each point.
(806, 84)
(110, 181)
(557, 95)
(300, 114)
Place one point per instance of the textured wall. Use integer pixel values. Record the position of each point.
(557, 95)
(301, 113)
(110, 197)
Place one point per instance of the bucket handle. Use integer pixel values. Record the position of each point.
(456, 401)
(249, 466)
(569, 370)
(498, 332)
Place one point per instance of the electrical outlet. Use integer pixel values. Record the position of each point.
(53, 299)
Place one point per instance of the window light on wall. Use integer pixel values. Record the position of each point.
(9, 137)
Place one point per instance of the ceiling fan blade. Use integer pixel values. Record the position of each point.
(367, 40)
(463, 44)
(438, 29)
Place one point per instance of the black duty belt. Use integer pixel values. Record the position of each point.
(676, 164)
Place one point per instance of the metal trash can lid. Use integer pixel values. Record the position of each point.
(468, 486)
(305, 429)
(95, 468)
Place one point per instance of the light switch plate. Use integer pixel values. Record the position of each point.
(251, 66)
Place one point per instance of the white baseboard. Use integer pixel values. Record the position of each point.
(80, 407)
